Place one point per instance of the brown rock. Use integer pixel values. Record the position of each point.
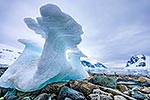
(146, 90)
(53, 88)
(122, 88)
(85, 87)
(143, 79)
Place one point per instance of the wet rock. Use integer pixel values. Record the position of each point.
(146, 90)
(122, 88)
(85, 87)
(70, 93)
(119, 97)
(104, 81)
(43, 96)
(138, 95)
(126, 81)
(143, 79)
(53, 88)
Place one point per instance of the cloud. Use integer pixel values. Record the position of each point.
(113, 30)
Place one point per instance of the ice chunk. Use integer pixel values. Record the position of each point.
(35, 67)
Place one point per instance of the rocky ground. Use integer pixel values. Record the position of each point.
(95, 87)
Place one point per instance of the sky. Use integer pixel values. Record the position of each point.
(114, 30)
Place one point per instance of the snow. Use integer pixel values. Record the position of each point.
(8, 54)
(38, 65)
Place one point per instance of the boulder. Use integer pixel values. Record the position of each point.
(104, 81)
(119, 97)
(70, 93)
(85, 87)
(143, 79)
(122, 88)
(43, 96)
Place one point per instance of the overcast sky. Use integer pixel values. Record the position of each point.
(114, 30)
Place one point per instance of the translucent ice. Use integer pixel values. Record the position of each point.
(37, 67)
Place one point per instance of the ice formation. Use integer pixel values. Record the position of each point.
(37, 67)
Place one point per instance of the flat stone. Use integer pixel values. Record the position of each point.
(104, 81)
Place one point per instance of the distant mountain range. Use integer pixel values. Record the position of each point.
(90, 65)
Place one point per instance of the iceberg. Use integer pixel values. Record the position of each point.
(39, 66)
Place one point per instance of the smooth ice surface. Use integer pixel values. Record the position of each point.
(37, 67)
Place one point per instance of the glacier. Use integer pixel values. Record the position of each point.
(38, 66)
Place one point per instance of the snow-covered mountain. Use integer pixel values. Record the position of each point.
(94, 67)
(138, 61)
(138, 65)
(8, 55)
(90, 65)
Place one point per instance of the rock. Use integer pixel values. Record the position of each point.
(67, 98)
(105, 97)
(43, 96)
(98, 91)
(146, 90)
(122, 88)
(139, 95)
(12, 97)
(26, 98)
(85, 87)
(126, 92)
(53, 88)
(2, 98)
(3, 91)
(119, 97)
(70, 93)
(104, 81)
(145, 84)
(143, 79)
(115, 92)
(99, 97)
(94, 97)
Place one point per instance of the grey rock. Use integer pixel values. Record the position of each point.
(70, 93)
(104, 81)
(94, 97)
(139, 95)
(43, 96)
(119, 97)
(12, 97)
(26, 98)
(67, 98)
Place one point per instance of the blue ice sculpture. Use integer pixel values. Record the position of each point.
(37, 67)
